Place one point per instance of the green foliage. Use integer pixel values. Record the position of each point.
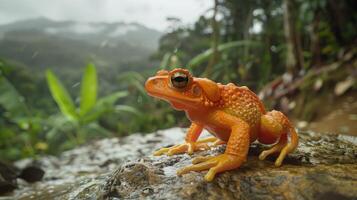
(61, 96)
(12, 102)
(148, 114)
(103, 106)
(19, 129)
(133, 79)
(88, 90)
(24, 133)
(165, 61)
(90, 109)
(200, 58)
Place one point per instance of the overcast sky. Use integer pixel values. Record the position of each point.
(151, 13)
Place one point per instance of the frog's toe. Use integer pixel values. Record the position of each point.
(211, 173)
(218, 142)
(161, 151)
(200, 159)
(215, 164)
(215, 141)
(201, 146)
(207, 140)
(281, 157)
(189, 148)
(224, 162)
(263, 155)
(275, 149)
(183, 148)
(197, 167)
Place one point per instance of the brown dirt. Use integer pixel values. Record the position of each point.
(341, 119)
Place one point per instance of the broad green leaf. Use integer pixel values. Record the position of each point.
(88, 90)
(103, 105)
(61, 96)
(200, 58)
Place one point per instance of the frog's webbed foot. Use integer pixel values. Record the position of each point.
(276, 123)
(275, 149)
(283, 147)
(214, 165)
(215, 141)
(188, 147)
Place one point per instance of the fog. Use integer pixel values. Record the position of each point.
(152, 13)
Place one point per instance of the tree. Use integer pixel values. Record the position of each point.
(294, 58)
(214, 40)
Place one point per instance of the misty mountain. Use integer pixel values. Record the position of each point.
(98, 33)
(67, 46)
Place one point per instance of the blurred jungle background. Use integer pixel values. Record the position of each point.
(66, 80)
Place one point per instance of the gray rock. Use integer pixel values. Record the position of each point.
(323, 167)
(8, 174)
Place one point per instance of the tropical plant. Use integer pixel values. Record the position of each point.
(84, 116)
(19, 128)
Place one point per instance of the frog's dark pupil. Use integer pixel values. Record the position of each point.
(181, 79)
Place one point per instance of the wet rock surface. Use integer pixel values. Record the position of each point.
(323, 167)
(9, 175)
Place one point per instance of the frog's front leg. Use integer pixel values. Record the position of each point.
(190, 144)
(235, 154)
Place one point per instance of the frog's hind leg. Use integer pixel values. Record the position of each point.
(290, 147)
(275, 124)
(276, 147)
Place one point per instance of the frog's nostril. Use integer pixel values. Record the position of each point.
(151, 83)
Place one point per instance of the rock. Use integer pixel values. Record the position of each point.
(8, 174)
(132, 177)
(323, 167)
(32, 174)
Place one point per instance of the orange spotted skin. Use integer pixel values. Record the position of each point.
(233, 115)
(242, 103)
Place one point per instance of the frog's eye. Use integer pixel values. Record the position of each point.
(179, 80)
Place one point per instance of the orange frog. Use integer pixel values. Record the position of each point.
(233, 115)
